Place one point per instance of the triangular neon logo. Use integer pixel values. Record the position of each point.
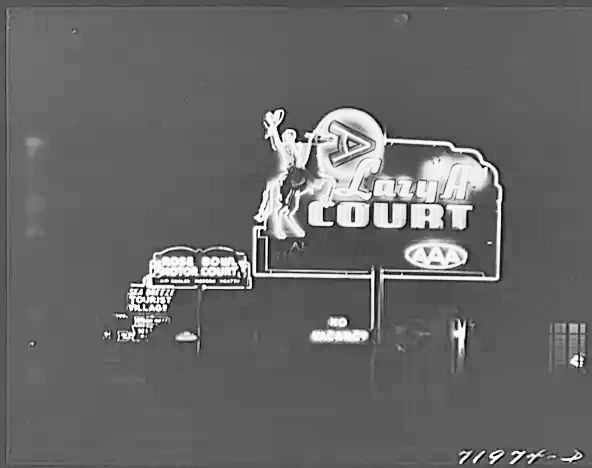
(351, 144)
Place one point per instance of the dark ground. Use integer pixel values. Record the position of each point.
(292, 407)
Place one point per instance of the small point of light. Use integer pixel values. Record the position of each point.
(578, 360)
(33, 142)
(458, 334)
(32, 146)
(186, 337)
(400, 19)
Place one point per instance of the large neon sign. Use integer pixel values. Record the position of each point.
(421, 209)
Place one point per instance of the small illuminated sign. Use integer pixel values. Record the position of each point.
(413, 206)
(179, 268)
(436, 255)
(337, 322)
(126, 336)
(145, 299)
(337, 332)
(459, 335)
(339, 336)
(183, 267)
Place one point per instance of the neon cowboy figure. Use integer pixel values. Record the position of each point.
(298, 174)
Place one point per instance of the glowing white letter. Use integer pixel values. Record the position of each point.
(316, 212)
(427, 214)
(353, 214)
(365, 168)
(384, 188)
(460, 214)
(457, 185)
(427, 190)
(381, 215)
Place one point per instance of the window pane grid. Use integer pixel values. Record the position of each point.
(566, 340)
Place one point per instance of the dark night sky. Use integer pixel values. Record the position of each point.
(154, 137)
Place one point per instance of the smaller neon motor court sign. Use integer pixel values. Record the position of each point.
(418, 209)
(175, 269)
(213, 268)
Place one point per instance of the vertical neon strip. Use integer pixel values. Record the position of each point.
(376, 302)
(373, 299)
(551, 343)
(255, 252)
(452, 329)
(381, 302)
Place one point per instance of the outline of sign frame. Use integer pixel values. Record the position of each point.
(385, 273)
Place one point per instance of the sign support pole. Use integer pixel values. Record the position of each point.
(199, 301)
(378, 301)
(377, 306)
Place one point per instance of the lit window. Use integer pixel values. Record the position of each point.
(567, 343)
(559, 327)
